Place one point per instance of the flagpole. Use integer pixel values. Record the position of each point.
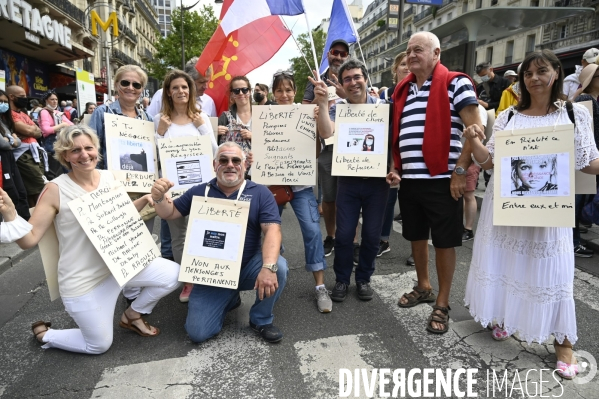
(317, 76)
(296, 43)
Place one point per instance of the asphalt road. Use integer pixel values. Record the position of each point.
(362, 336)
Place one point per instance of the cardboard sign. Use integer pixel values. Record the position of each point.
(214, 124)
(214, 242)
(131, 152)
(585, 183)
(186, 161)
(534, 177)
(86, 118)
(361, 140)
(113, 225)
(332, 90)
(283, 144)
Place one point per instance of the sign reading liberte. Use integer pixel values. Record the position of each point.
(113, 225)
(284, 144)
(31, 19)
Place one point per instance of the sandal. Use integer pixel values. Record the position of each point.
(37, 324)
(499, 334)
(134, 328)
(442, 318)
(566, 370)
(418, 295)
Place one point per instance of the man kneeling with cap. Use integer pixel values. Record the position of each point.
(262, 268)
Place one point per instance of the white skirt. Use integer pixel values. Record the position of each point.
(522, 278)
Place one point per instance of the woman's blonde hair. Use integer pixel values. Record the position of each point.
(64, 142)
(167, 100)
(130, 68)
(398, 58)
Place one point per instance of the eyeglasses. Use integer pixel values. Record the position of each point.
(127, 83)
(339, 53)
(244, 90)
(224, 161)
(349, 79)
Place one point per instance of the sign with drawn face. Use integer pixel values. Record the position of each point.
(131, 152)
(534, 177)
(361, 140)
(284, 144)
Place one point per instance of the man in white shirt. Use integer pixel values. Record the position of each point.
(204, 101)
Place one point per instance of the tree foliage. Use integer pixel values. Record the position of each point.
(301, 71)
(198, 28)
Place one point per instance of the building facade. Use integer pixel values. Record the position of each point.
(567, 37)
(164, 8)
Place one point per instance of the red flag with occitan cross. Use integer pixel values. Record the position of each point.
(246, 49)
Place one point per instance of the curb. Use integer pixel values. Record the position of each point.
(7, 262)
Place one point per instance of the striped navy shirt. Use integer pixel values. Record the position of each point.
(411, 128)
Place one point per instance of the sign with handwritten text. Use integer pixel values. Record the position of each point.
(131, 152)
(361, 140)
(186, 161)
(284, 144)
(534, 177)
(214, 242)
(113, 225)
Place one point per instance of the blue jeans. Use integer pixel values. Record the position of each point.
(306, 210)
(208, 305)
(388, 218)
(353, 194)
(166, 246)
(49, 144)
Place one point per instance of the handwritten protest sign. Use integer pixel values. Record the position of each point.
(131, 152)
(332, 91)
(361, 139)
(116, 230)
(283, 144)
(534, 177)
(214, 242)
(186, 161)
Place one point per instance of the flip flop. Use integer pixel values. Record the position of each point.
(134, 328)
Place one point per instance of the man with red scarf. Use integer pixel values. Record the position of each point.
(431, 107)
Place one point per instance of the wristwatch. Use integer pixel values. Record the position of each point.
(271, 266)
(459, 171)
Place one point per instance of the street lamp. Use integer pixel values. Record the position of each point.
(183, 9)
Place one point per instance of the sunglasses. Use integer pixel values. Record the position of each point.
(224, 161)
(244, 90)
(339, 53)
(126, 83)
(283, 73)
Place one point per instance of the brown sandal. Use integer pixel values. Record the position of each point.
(37, 324)
(134, 328)
(442, 318)
(418, 295)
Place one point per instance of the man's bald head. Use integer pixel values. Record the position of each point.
(15, 90)
(430, 38)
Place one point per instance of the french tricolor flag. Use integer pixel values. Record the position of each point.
(240, 14)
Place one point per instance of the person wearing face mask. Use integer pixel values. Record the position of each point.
(261, 95)
(51, 121)
(492, 86)
(31, 158)
(11, 177)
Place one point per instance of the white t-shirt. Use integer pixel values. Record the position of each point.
(205, 102)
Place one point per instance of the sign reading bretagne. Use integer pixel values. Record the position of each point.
(284, 144)
(186, 161)
(214, 242)
(131, 152)
(361, 140)
(534, 177)
(113, 225)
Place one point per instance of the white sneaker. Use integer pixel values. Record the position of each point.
(323, 301)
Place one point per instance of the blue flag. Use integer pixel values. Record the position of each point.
(285, 7)
(341, 27)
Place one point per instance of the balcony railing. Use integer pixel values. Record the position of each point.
(149, 16)
(148, 55)
(448, 2)
(573, 40)
(127, 32)
(372, 20)
(408, 12)
(406, 36)
(423, 14)
(69, 9)
(123, 58)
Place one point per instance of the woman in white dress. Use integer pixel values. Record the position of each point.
(522, 278)
(181, 117)
(87, 288)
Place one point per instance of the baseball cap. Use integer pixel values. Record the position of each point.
(587, 74)
(509, 72)
(340, 41)
(591, 55)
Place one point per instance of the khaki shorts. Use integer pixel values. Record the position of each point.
(32, 173)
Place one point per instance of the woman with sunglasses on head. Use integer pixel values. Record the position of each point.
(305, 206)
(236, 123)
(11, 177)
(129, 82)
(521, 279)
(180, 117)
(51, 121)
